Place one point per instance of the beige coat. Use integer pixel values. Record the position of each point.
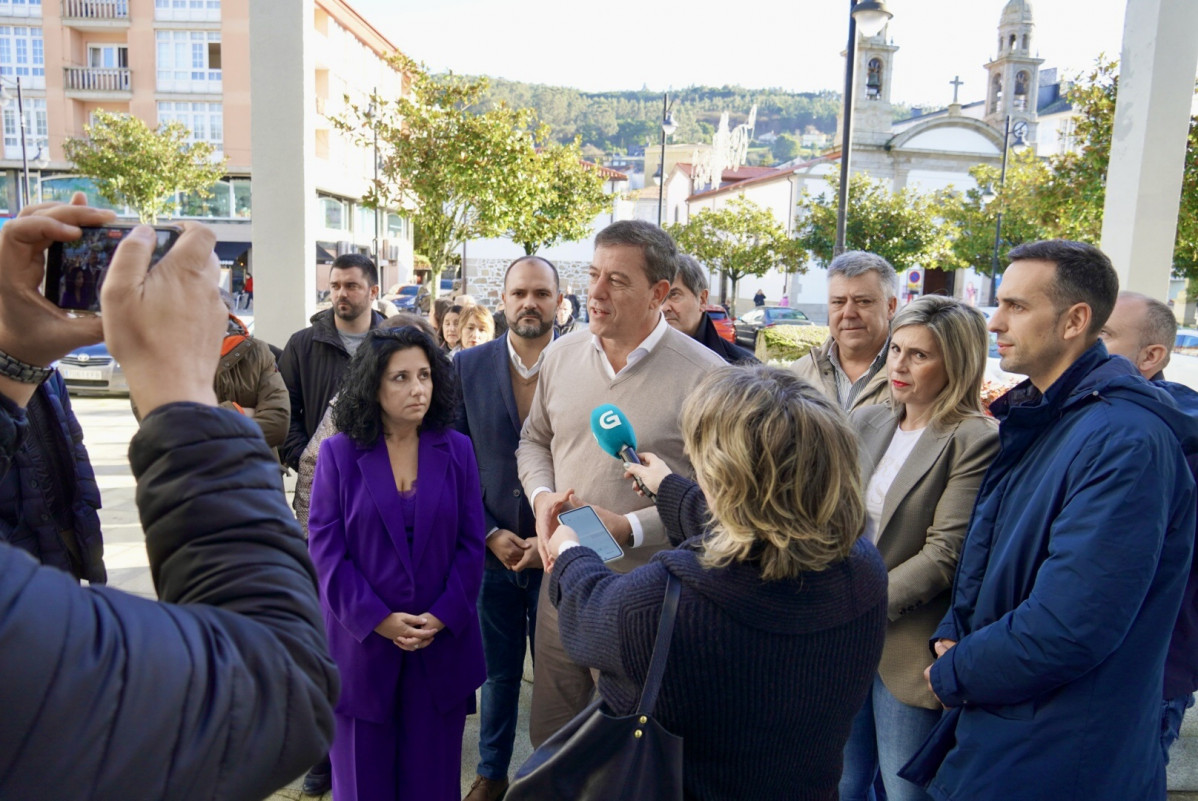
(816, 368)
(922, 528)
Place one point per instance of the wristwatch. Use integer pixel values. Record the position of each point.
(23, 372)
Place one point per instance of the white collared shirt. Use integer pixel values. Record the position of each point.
(639, 352)
(525, 372)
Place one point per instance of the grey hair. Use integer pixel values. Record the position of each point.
(691, 274)
(661, 254)
(853, 263)
(1158, 326)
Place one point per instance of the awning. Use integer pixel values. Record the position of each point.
(323, 256)
(231, 251)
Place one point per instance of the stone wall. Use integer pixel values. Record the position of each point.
(484, 279)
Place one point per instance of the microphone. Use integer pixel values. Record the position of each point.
(613, 432)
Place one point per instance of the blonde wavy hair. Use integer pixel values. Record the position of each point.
(960, 333)
(778, 463)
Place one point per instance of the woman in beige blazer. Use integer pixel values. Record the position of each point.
(923, 457)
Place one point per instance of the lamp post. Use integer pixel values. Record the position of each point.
(871, 16)
(5, 96)
(374, 128)
(1020, 132)
(668, 126)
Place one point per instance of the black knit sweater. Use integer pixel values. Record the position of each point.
(763, 678)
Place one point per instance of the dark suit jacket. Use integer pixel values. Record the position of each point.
(920, 533)
(367, 571)
(487, 414)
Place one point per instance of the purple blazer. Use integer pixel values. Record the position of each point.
(367, 571)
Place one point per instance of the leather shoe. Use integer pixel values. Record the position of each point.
(485, 789)
(319, 780)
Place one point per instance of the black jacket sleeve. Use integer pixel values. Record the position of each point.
(297, 434)
(223, 692)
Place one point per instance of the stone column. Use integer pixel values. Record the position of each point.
(1152, 114)
(282, 131)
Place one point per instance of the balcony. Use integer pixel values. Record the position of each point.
(95, 15)
(96, 83)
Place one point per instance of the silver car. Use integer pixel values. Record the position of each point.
(91, 370)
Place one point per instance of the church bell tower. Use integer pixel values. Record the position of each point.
(1014, 74)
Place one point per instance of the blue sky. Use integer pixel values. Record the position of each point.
(796, 45)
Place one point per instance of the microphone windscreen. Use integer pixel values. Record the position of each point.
(611, 430)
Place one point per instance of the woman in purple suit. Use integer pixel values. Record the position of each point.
(397, 536)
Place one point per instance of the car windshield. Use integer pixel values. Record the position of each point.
(785, 314)
(717, 314)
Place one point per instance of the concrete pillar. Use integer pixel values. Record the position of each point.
(282, 136)
(1152, 114)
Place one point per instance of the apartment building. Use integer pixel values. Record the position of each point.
(189, 60)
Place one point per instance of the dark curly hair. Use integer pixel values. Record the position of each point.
(357, 412)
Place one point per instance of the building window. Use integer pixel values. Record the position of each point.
(21, 8)
(61, 188)
(22, 55)
(188, 61)
(204, 121)
(108, 56)
(1019, 103)
(995, 93)
(335, 213)
(873, 80)
(188, 10)
(37, 131)
(395, 226)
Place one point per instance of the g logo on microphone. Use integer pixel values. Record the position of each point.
(609, 420)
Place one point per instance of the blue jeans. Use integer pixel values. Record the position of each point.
(1172, 711)
(885, 734)
(507, 612)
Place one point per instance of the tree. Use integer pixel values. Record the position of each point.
(974, 218)
(785, 148)
(566, 195)
(904, 227)
(440, 152)
(141, 167)
(739, 239)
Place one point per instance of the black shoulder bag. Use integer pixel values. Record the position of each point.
(600, 756)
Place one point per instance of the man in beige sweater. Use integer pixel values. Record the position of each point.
(631, 358)
(850, 367)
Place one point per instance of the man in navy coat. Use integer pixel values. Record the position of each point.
(497, 382)
(1051, 656)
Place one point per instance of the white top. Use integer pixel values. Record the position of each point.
(639, 352)
(525, 372)
(901, 445)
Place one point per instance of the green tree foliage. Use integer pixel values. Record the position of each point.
(141, 167)
(565, 196)
(905, 227)
(617, 121)
(739, 239)
(974, 218)
(458, 164)
(785, 148)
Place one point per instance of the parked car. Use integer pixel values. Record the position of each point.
(449, 287)
(749, 323)
(721, 320)
(403, 296)
(91, 370)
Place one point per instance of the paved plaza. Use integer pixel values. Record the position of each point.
(108, 425)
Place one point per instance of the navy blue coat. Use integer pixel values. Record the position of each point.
(25, 520)
(488, 415)
(1066, 593)
(226, 691)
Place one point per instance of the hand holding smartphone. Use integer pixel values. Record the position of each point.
(75, 271)
(592, 533)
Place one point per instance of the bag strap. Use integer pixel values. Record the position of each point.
(661, 648)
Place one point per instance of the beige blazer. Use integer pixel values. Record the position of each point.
(816, 368)
(924, 519)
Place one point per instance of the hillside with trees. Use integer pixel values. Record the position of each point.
(620, 121)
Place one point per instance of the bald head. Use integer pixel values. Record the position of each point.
(1142, 330)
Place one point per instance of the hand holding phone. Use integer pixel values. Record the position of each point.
(592, 533)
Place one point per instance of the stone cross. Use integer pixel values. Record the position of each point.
(957, 83)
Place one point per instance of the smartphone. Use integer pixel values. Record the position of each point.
(592, 533)
(75, 271)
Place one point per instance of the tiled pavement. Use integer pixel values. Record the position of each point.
(108, 425)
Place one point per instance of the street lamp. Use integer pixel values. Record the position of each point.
(668, 126)
(370, 112)
(871, 16)
(5, 96)
(1020, 132)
